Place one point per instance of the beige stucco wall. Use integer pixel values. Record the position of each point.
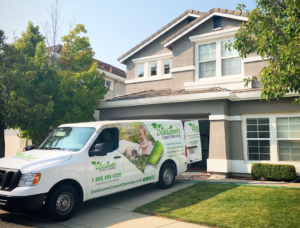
(253, 68)
(155, 85)
(120, 88)
(179, 78)
(219, 140)
(13, 144)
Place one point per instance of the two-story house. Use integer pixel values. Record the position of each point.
(114, 79)
(183, 71)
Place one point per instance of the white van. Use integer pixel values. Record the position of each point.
(82, 161)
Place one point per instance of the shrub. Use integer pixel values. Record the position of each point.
(273, 172)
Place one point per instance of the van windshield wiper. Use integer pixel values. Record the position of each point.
(56, 148)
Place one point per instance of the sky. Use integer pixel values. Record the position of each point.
(114, 26)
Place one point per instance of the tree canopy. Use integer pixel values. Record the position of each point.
(273, 32)
(36, 96)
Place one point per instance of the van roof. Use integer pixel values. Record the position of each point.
(98, 124)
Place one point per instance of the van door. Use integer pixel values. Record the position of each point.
(193, 141)
(105, 173)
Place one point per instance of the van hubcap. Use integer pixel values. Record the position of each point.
(64, 203)
(168, 176)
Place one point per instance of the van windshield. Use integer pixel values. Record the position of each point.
(68, 138)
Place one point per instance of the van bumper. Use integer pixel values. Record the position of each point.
(21, 203)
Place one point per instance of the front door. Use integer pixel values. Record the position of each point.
(104, 173)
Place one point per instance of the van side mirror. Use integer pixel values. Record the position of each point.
(99, 150)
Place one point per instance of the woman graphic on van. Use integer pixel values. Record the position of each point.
(145, 144)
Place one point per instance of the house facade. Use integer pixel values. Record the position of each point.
(114, 79)
(183, 71)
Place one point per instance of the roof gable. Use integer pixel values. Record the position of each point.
(215, 11)
(160, 32)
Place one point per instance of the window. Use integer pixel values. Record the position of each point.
(153, 69)
(288, 128)
(230, 66)
(207, 62)
(217, 22)
(68, 138)
(216, 61)
(167, 67)
(108, 83)
(258, 138)
(109, 136)
(140, 70)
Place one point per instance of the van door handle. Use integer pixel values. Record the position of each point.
(192, 147)
(117, 157)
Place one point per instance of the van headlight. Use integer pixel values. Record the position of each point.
(29, 179)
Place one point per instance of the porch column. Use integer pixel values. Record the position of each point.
(218, 161)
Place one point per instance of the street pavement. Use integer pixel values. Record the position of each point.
(113, 211)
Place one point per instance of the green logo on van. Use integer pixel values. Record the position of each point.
(165, 131)
(194, 127)
(108, 165)
(25, 157)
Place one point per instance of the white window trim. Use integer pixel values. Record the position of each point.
(218, 60)
(274, 152)
(157, 69)
(146, 61)
(111, 88)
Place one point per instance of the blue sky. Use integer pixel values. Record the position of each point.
(114, 26)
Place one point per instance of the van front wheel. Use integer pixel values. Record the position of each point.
(166, 176)
(61, 203)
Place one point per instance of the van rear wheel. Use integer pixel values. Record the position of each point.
(166, 176)
(61, 203)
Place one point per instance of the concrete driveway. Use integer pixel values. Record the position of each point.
(109, 211)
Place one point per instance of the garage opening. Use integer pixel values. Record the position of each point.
(204, 126)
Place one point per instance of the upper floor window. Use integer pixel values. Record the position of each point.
(217, 22)
(140, 70)
(153, 69)
(108, 83)
(167, 66)
(216, 61)
(207, 60)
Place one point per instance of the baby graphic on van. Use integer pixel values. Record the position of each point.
(145, 143)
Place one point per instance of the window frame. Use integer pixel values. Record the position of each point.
(137, 70)
(98, 135)
(218, 59)
(206, 61)
(163, 67)
(258, 139)
(285, 139)
(150, 69)
(274, 145)
(111, 85)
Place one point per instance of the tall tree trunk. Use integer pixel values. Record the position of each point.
(2, 140)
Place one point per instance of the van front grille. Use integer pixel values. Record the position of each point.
(9, 179)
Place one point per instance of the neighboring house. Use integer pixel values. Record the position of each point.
(184, 72)
(114, 79)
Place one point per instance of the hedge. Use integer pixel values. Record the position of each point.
(273, 172)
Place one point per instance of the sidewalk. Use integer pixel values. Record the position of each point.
(186, 176)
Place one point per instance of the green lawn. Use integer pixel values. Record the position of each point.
(230, 206)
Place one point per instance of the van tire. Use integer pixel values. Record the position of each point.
(61, 203)
(166, 176)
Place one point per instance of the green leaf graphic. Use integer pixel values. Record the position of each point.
(171, 127)
(154, 125)
(159, 125)
(156, 153)
(190, 124)
(98, 163)
(93, 162)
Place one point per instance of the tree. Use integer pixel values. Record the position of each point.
(79, 88)
(273, 32)
(25, 86)
(52, 29)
